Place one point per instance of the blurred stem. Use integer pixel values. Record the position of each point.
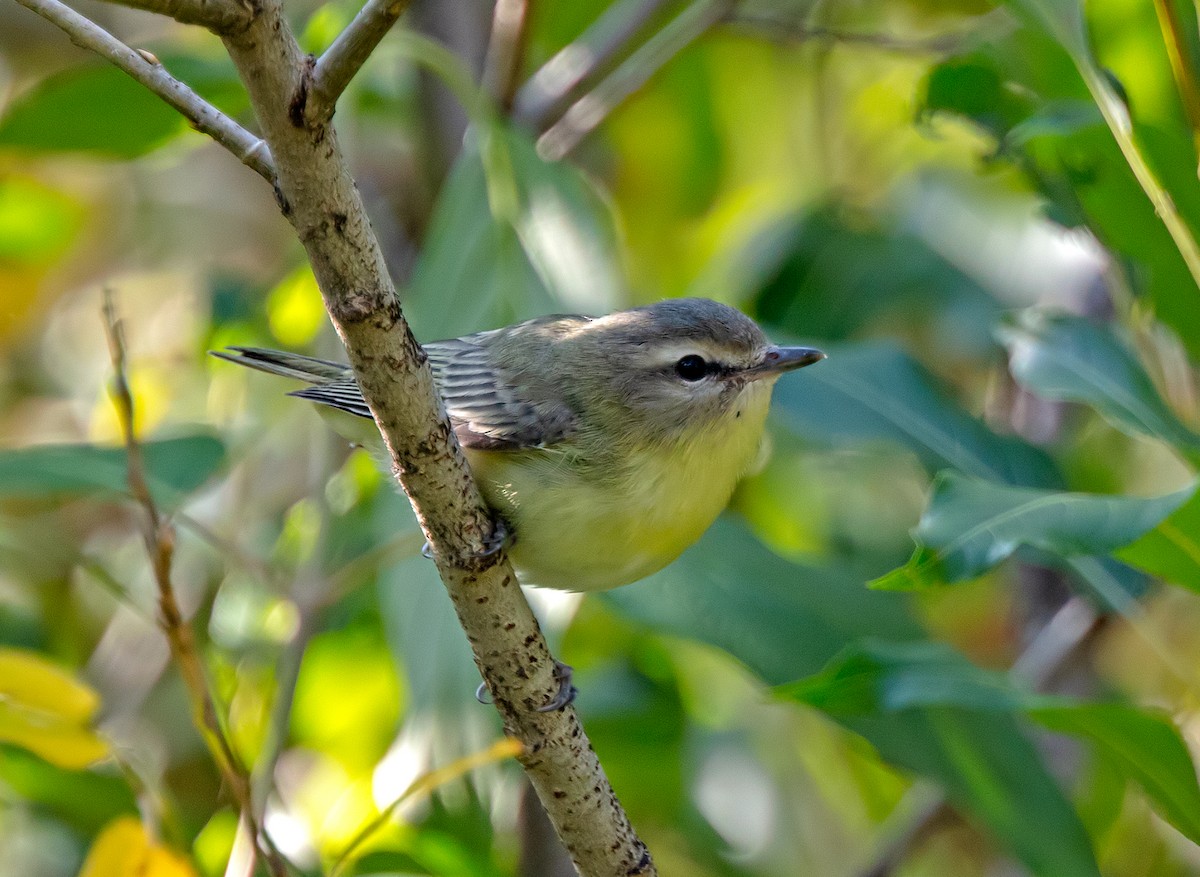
(342, 60)
(309, 595)
(147, 70)
(159, 537)
(1068, 631)
(941, 44)
(1181, 64)
(586, 114)
(1116, 116)
(540, 101)
(506, 50)
(507, 747)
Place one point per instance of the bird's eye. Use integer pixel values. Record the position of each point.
(691, 367)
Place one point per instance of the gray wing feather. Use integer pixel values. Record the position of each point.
(486, 411)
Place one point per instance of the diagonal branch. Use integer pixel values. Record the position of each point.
(586, 114)
(349, 52)
(219, 16)
(145, 68)
(578, 65)
(318, 196)
(506, 50)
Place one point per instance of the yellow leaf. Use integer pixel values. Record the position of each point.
(29, 680)
(124, 849)
(67, 744)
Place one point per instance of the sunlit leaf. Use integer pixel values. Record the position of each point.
(124, 849)
(174, 468)
(971, 526)
(47, 711)
(1172, 549)
(1067, 358)
(512, 237)
(874, 677)
(877, 393)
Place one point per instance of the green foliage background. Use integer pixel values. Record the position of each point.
(940, 193)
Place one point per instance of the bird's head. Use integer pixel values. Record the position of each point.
(679, 368)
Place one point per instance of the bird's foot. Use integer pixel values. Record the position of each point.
(494, 544)
(566, 690)
(563, 673)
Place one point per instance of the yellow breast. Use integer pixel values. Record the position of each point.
(578, 530)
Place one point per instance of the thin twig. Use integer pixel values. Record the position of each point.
(147, 70)
(159, 537)
(219, 16)
(784, 30)
(506, 50)
(541, 100)
(590, 110)
(1067, 631)
(342, 60)
(1182, 62)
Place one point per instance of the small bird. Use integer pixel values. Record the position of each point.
(607, 445)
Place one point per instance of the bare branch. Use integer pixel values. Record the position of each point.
(318, 196)
(549, 90)
(349, 52)
(590, 110)
(147, 70)
(219, 16)
(506, 50)
(159, 537)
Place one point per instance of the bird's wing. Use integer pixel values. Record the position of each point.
(486, 411)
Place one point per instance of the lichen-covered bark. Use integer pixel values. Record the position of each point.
(318, 196)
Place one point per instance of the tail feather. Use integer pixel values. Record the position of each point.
(289, 365)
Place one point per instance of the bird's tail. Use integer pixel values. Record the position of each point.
(289, 365)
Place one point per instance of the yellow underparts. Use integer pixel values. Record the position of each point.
(578, 530)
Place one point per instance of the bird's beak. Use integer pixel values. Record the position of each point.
(784, 359)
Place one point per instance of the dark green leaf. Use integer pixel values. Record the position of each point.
(874, 678)
(782, 619)
(174, 468)
(786, 620)
(1068, 358)
(971, 526)
(876, 392)
(94, 109)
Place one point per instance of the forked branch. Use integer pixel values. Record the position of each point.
(146, 69)
(349, 52)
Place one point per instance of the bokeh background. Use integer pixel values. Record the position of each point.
(934, 191)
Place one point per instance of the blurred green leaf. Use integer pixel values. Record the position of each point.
(1143, 745)
(783, 619)
(786, 620)
(512, 237)
(876, 392)
(971, 526)
(174, 468)
(1172, 549)
(874, 677)
(1067, 358)
(92, 109)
